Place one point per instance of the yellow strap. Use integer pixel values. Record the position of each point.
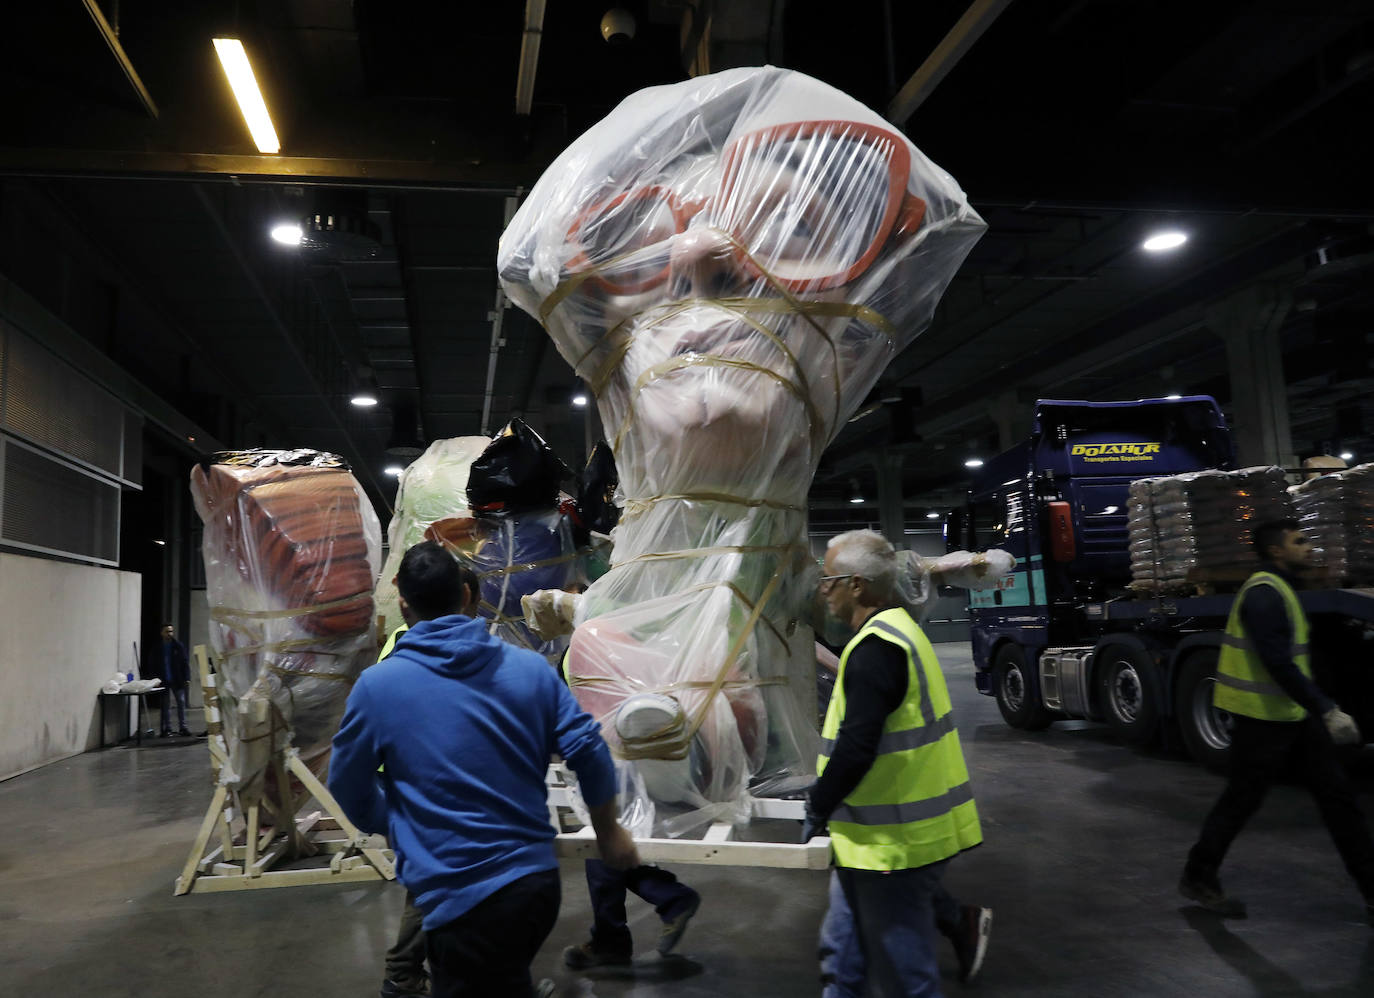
(222, 614)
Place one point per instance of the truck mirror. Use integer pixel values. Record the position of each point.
(1061, 532)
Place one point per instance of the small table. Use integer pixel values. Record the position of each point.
(105, 698)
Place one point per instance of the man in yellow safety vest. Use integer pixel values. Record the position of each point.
(894, 788)
(1264, 679)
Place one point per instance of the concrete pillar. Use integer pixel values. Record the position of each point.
(1249, 322)
(891, 511)
(1012, 417)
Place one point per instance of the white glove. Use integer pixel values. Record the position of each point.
(1342, 727)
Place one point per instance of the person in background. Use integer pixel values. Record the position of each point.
(894, 788)
(176, 676)
(1264, 679)
(465, 726)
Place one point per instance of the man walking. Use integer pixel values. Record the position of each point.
(465, 726)
(1264, 679)
(894, 787)
(176, 677)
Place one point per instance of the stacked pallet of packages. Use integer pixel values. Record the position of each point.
(1193, 529)
(1337, 514)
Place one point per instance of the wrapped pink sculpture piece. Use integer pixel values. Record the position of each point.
(292, 549)
(729, 263)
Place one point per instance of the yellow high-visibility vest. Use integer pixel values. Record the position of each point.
(914, 806)
(1244, 685)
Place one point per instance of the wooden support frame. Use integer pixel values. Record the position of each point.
(717, 846)
(354, 857)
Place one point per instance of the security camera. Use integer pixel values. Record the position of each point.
(618, 26)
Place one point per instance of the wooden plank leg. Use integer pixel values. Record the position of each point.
(250, 838)
(212, 814)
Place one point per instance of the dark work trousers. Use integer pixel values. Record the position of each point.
(487, 951)
(658, 887)
(405, 961)
(1260, 751)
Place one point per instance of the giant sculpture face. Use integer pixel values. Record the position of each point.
(729, 263)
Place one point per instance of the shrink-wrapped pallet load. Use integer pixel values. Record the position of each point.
(291, 549)
(1194, 529)
(1336, 512)
(729, 263)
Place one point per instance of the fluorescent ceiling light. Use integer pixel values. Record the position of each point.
(1162, 241)
(363, 399)
(161, 544)
(974, 462)
(288, 234)
(394, 470)
(245, 86)
(1345, 455)
(579, 400)
(856, 499)
(932, 516)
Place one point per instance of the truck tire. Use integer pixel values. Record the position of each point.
(1018, 691)
(1206, 731)
(1129, 692)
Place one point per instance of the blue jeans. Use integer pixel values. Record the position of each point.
(180, 693)
(610, 932)
(880, 927)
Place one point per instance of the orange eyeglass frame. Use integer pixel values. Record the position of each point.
(902, 216)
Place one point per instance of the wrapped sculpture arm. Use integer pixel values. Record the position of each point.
(549, 612)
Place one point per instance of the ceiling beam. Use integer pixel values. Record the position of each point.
(967, 30)
(111, 37)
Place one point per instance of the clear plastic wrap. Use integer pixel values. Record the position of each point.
(291, 550)
(1336, 512)
(433, 487)
(514, 555)
(729, 263)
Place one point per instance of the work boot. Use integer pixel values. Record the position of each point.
(970, 939)
(1207, 892)
(405, 989)
(674, 927)
(584, 956)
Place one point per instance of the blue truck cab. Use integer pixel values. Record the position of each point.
(1064, 636)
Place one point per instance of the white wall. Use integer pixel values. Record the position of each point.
(67, 629)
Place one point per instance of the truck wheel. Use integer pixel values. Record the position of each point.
(1018, 692)
(1129, 693)
(1206, 730)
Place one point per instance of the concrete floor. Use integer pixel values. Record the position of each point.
(1084, 843)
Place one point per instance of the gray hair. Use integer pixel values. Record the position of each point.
(867, 554)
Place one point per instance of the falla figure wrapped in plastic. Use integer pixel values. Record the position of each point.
(729, 263)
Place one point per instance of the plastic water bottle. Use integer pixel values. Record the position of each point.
(129, 677)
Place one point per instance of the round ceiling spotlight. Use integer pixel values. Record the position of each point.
(579, 400)
(1162, 241)
(1345, 455)
(932, 515)
(364, 399)
(974, 462)
(394, 470)
(288, 234)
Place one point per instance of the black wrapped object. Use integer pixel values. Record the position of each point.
(516, 473)
(596, 507)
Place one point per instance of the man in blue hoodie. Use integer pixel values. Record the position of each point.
(465, 726)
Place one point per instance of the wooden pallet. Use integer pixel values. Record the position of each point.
(247, 850)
